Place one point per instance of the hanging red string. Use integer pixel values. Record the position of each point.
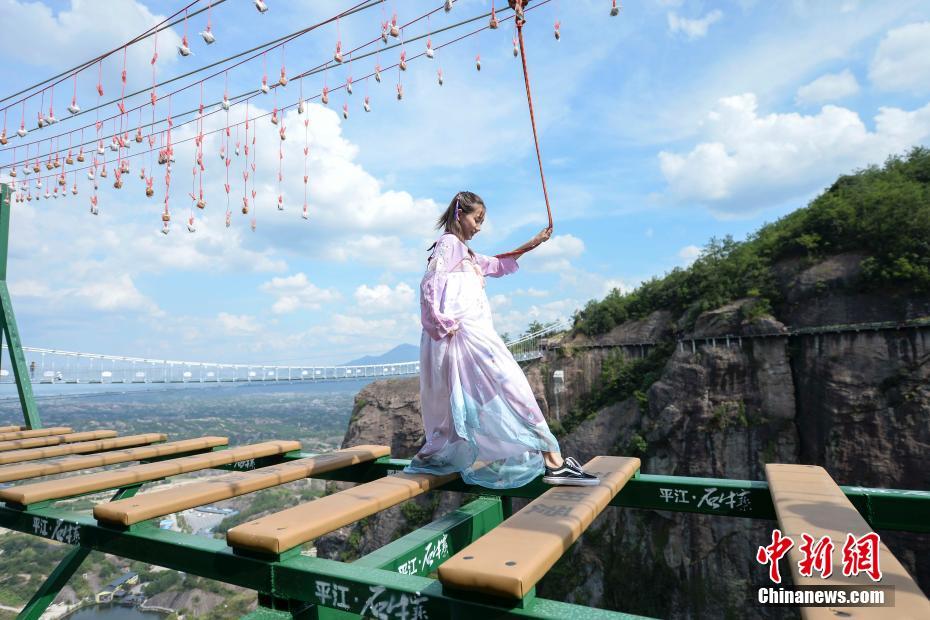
(208, 33)
(245, 167)
(520, 20)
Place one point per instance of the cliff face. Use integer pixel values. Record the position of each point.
(854, 403)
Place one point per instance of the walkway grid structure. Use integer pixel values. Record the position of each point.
(482, 560)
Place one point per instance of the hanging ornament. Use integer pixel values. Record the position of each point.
(395, 31)
(190, 225)
(429, 49)
(349, 85)
(367, 104)
(261, 6)
(556, 33)
(184, 48)
(345, 111)
(80, 155)
(117, 179)
(337, 56)
(225, 103)
(21, 132)
(149, 187)
(208, 36)
(304, 214)
(403, 61)
(439, 76)
(325, 97)
(493, 23)
(74, 108)
(281, 133)
(74, 189)
(93, 206)
(228, 218)
(516, 48)
(400, 92)
(69, 160)
(274, 116)
(265, 88)
(478, 62)
(377, 75)
(142, 173)
(300, 106)
(283, 79)
(384, 32)
(614, 9)
(447, 6)
(280, 202)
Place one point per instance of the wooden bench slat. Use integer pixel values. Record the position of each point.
(54, 440)
(508, 561)
(808, 501)
(37, 432)
(280, 531)
(80, 447)
(24, 471)
(98, 481)
(8, 429)
(159, 503)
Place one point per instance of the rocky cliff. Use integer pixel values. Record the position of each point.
(856, 403)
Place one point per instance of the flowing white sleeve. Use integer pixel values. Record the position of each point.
(446, 256)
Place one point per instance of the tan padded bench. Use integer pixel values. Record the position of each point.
(159, 503)
(80, 447)
(54, 440)
(38, 432)
(280, 531)
(509, 560)
(26, 494)
(23, 471)
(808, 501)
(8, 429)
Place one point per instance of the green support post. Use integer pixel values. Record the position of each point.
(63, 572)
(8, 321)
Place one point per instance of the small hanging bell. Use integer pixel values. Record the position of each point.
(74, 189)
(280, 202)
(403, 61)
(345, 111)
(384, 32)
(283, 79)
(265, 88)
(556, 33)
(378, 74)
(395, 31)
(325, 97)
(190, 225)
(245, 205)
(228, 218)
(478, 62)
(274, 116)
(103, 173)
(439, 76)
(429, 49)
(300, 107)
(208, 36)
(337, 55)
(69, 160)
(90, 174)
(35, 167)
(139, 135)
(184, 49)
(201, 204)
(74, 108)
(400, 92)
(261, 6)
(3, 139)
(21, 132)
(304, 214)
(614, 9)
(367, 105)
(447, 6)
(164, 228)
(493, 23)
(349, 85)
(100, 149)
(80, 156)
(281, 133)
(516, 48)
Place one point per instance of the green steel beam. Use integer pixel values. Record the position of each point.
(421, 551)
(326, 583)
(889, 509)
(62, 573)
(8, 327)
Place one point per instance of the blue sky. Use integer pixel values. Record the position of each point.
(674, 122)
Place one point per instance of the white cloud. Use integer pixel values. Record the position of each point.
(902, 60)
(556, 254)
(829, 87)
(237, 324)
(749, 161)
(692, 28)
(388, 252)
(296, 292)
(689, 254)
(383, 298)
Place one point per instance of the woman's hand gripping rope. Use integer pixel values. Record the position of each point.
(541, 237)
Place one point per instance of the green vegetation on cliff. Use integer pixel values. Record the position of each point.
(882, 212)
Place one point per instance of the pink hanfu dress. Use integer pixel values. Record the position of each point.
(479, 413)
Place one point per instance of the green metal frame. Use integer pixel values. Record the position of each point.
(8, 321)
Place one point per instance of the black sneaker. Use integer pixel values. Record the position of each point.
(570, 473)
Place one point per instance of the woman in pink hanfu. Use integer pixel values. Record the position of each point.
(479, 413)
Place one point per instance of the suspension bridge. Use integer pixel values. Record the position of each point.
(72, 367)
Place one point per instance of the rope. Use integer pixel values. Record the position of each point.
(529, 99)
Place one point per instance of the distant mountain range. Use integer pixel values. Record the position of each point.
(400, 353)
